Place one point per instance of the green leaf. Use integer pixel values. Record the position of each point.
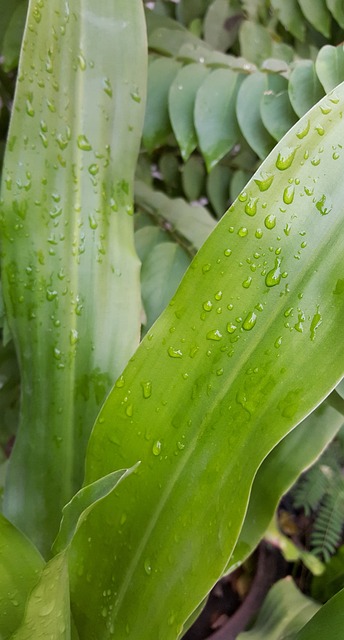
(285, 610)
(181, 102)
(304, 87)
(13, 37)
(316, 12)
(47, 612)
(249, 116)
(193, 178)
(157, 127)
(66, 237)
(20, 566)
(337, 9)
(276, 111)
(7, 9)
(189, 10)
(326, 585)
(146, 238)
(329, 66)
(327, 623)
(162, 271)
(340, 389)
(233, 364)
(291, 17)
(215, 118)
(297, 451)
(192, 221)
(255, 42)
(76, 511)
(218, 182)
(220, 15)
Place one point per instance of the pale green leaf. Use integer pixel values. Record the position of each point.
(192, 221)
(284, 611)
(189, 10)
(47, 612)
(327, 623)
(20, 566)
(215, 117)
(297, 451)
(161, 273)
(217, 31)
(316, 12)
(255, 42)
(329, 66)
(290, 16)
(232, 365)
(249, 117)
(276, 111)
(181, 102)
(67, 236)
(337, 9)
(304, 87)
(157, 126)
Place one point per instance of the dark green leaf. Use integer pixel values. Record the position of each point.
(317, 14)
(291, 17)
(157, 127)
(217, 31)
(218, 182)
(146, 238)
(304, 87)
(249, 117)
(337, 9)
(276, 111)
(13, 37)
(181, 102)
(215, 117)
(327, 623)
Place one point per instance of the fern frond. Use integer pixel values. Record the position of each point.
(329, 522)
(311, 489)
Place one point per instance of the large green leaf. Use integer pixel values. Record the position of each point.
(317, 14)
(276, 110)
(297, 451)
(67, 239)
(284, 611)
(337, 9)
(327, 623)
(240, 356)
(249, 116)
(157, 126)
(304, 87)
(291, 17)
(330, 66)
(47, 612)
(20, 566)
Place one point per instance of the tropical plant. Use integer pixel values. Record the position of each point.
(190, 427)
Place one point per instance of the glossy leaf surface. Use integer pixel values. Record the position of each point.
(20, 566)
(284, 611)
(328, 622)
(230, 367)
(297, 451)
(67, 237)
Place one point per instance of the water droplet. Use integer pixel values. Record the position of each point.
(247, 283)
(148, 568)
(320, 205)
(93, 169)
(146, 389)
(57, 353)
(249, 321)
(227, 252)
(315, 324)
(81, 62)
(259, 234)
(135, 96)
(273, 277)
(218, 295)
(285, 158)
(335, 155)
(206, 268)
(174, 353)
(120, 382)
(319, 129)
(208, 305)
(73, 336)
(270, 221)
(44, 139)
(193, 351)
(299, 325)
(129, 410)
(214, 334)
(219, 372)
(288, 194)
(156, 449)
(231, 327)
(278, 342)
(83, 143)
(243, 197)
(107, 87)
(251, 207)
(265, 183)
(316, 161)
(287, 229)
(29, 108)
(303, 131)
(243, 231)
(51, 295)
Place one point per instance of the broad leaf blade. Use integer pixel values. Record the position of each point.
(232, 365)
(67, 236)
(297, 451)
(328, 622)
(20, 566)
(48, 611)
(304, 87)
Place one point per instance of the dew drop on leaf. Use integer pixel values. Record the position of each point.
(174, 353)
(156, 449)
(265, 183)
(270, 221)
(214, 334)
(273, 277)
(83, 143)
(321, 206)
(250, 321)
(148, 568)
(251, 207)
(146, 389)
(285, 158)
(288, 194)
